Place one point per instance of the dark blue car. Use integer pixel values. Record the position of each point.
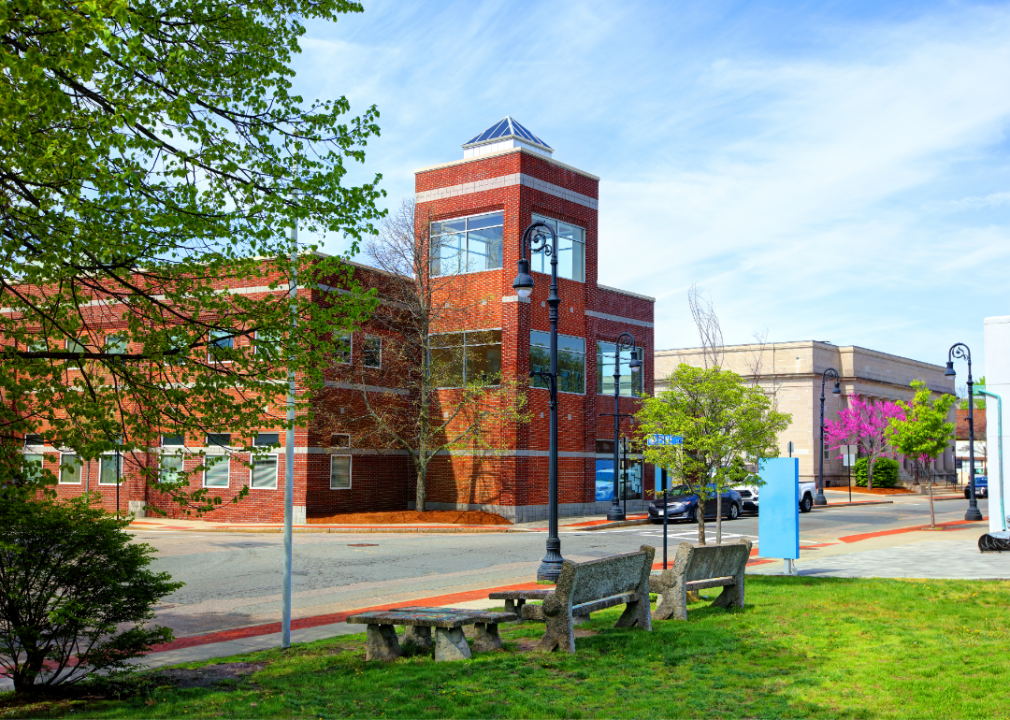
(683, 505)
(981, 487)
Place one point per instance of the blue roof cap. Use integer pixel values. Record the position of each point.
(504, 129)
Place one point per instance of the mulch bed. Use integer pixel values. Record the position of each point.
(209, 675)
(412, 517)
(873, 491)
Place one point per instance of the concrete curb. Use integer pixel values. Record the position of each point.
(854, 503)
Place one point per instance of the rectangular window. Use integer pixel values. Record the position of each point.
(33, 466)
(571, 251)
(34, 439)
(340, 440)
(170, 468)
(115, 345)
(264, 473)
(221, 440)
(268, 344)
(467, 357)
(372, 352)
(107, 470)
(342, 349)
(470, 244)
(605, 480)
(827, 452)
(216, 470)
(571, 361)
(340, 472)
(172, 440)
(266, 439)
(76, 346)
(631, 384)
(70, 469)
(220, 342)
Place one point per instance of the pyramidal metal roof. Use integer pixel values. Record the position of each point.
(504, 129)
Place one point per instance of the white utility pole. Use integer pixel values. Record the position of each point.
(289, 448)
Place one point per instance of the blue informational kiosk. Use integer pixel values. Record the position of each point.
(779, 518)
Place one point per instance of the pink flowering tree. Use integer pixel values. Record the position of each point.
(864, 423)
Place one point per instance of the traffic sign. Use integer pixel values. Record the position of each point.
(654, 440)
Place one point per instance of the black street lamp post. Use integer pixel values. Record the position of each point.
(960, 350)
(535, 238)
(625, 340)
(832, 373)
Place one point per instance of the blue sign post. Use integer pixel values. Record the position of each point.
(779, 520)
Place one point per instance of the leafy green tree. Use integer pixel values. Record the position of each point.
(75, 593)
(924, 433)
(724, 423)
(152, 163)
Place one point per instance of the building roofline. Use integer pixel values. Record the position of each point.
(810, 343)
(625, 292)
(478, 158)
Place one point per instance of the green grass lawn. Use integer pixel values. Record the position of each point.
(803, 647)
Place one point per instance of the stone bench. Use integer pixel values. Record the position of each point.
(516, 599)
(583, 588)
(697, 567)
(449, 643)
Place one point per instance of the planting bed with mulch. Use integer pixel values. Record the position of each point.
(413, 517)
(873, 491)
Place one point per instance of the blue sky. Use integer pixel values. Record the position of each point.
(830, 171)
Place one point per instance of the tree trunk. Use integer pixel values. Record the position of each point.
(421, 495)
(700, 512)
(718, 517)
(869, 473)
(932, 517)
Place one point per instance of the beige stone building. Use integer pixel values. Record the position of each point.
(791, 372)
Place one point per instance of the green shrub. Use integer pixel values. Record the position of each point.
(885, 472)
(75, 592)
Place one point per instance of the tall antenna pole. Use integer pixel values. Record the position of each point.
(289, 448)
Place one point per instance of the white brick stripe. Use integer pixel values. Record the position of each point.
(507, 181)
(618, 318)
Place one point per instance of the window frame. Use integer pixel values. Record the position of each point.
(637, 351)
(364, 352)
(464, 262)
(560, 335)
(225, 462)
(345, 435)
(171, 456)
(230, 335)
(59, 474)
(113, 457)
(350, 470)
(537, 217)
(463, 348)
(272, 457)
(350, 349)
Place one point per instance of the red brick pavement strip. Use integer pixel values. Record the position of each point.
(330, 618)
(897, 531)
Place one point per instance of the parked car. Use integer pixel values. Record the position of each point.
(749, 495)
(981, 487)
(683, 505)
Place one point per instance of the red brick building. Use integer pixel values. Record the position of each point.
(475, 211)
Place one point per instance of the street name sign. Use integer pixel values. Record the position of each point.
(654, 440)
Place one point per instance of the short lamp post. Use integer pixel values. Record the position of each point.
(961, 351)
(536, 240)
(833, 374)
(625, 340)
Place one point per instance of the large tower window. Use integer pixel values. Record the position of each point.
(631, 383)
(571, 251)
(571, 361)
(470, 244)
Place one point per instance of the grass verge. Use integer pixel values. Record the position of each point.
(804, 647)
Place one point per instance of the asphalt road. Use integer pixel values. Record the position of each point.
(234, 580)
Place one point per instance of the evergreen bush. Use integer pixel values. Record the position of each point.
(885, 472)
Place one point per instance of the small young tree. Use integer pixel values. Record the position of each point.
(924, 431)
(75, 592)
(451, 396)
(864, 423)
(723, 422)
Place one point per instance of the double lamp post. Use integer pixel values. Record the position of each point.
(540, 237)
(961, 351)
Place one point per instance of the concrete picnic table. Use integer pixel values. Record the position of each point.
(450, 643)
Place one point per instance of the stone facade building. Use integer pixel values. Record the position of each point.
(791, 373)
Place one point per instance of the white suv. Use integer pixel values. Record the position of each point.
(750, 494)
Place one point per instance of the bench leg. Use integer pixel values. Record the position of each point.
(451, 645)
(580, 619)
(731, 595)
(417, 638)
(381, 643)
(560, 634)
(519, 610)
(487, 637)
(636, 614)
(666, 604)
